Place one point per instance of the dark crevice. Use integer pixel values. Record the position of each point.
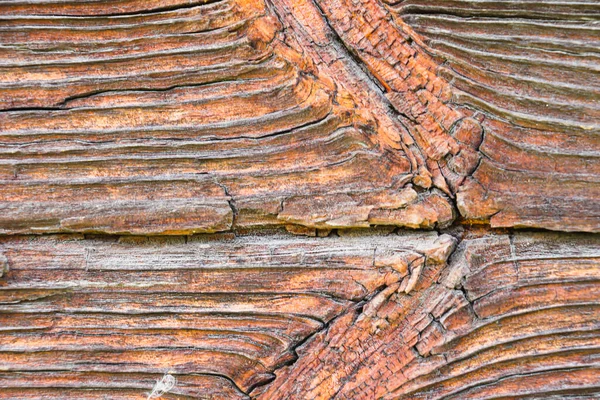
(509, 16)
(135, 13)
(354, 57)
(62, 105)
(357, 309)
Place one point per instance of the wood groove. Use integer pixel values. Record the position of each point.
(446, 346)
(242, 325)
(163, 164)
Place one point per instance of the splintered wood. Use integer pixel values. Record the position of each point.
(221, 312)
(296, 199)
(509, 317)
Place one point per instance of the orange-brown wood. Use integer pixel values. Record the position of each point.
(230, 310)
(280, 199)
(509, 317)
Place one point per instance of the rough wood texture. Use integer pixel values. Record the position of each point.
(184, 121)
(206, 116)
(533, 68)
(510, 317)
(221, 313)
(159, 149)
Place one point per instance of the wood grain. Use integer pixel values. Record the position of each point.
(113, 314)
(164, 162)
(270, 110)
(532, 68)
(509, 317)
(188, 118)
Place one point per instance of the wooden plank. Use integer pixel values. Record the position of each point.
(513, 316)
(153, 153)
(187, 118)
(488, 112)
(216, 307)
(531, 68)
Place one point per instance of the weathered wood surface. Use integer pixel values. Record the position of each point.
(200, 117)
(207, 116)
(510, 317)
(184, 121)
(533, 67)
(221, 313)
(222, 122)
(522, 76)
(377, 316)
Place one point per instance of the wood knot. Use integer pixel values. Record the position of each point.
(262, 30)
(469, 132)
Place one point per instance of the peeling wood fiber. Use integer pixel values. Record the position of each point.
(221, 313)
(299, 199)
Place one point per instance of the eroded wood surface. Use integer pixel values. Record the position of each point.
(204, 117)
(157, 158)
(532, 67)
(185, 121)
(375, 316)
(108, 316)
(509, 317)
